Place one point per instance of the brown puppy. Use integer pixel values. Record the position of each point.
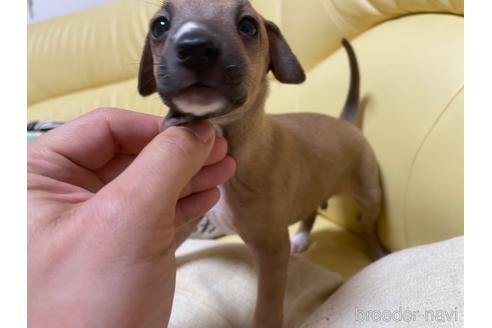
(208, 60)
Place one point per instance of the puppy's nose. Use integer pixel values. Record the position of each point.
(197, 50)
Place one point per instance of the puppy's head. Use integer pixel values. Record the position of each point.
(209, 59)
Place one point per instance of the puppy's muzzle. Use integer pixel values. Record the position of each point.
(197, 50)
(209, 77)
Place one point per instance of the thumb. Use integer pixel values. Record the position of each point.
(154, 180)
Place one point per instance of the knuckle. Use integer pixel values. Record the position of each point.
(103, 112)
(36, 159)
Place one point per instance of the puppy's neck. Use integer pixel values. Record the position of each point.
(251, 130)
(250, 141)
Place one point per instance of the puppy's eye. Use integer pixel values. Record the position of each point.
(160, 26)
(248, 26)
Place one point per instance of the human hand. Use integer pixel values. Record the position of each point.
(105, 193)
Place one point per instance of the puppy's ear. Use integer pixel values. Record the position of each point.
(283, 63)
(146, 79)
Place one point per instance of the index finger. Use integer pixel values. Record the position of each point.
(92, 140)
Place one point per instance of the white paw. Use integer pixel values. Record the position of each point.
(299, 242)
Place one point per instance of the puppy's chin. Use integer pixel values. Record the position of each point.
(199, 101)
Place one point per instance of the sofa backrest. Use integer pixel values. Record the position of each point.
(86, 49)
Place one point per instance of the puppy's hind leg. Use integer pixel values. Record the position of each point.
(366, 190)
(368, 220)
(369, 202)
(299, 242)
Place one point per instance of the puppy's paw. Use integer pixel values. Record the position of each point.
(299, 242)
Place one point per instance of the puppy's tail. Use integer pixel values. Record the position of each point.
(350, 110)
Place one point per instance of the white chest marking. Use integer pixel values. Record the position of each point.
(221, 215)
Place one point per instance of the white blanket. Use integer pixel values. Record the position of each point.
(418, 287)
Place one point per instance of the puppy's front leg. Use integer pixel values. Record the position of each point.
(271, 255)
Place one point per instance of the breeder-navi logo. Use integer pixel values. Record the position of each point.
(400, 315)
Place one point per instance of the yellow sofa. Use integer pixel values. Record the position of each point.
(411, 61)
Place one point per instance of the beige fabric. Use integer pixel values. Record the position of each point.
(216, 286)
(425, 278)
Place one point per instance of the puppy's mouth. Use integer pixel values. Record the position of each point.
(199, 100)
(196, 102)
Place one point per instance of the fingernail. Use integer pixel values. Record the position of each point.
(203, 130)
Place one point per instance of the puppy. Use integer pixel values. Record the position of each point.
(209, 60)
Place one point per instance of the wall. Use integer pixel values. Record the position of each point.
(45, 9)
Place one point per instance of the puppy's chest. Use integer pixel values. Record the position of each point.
(228, 217)
(222, 214)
